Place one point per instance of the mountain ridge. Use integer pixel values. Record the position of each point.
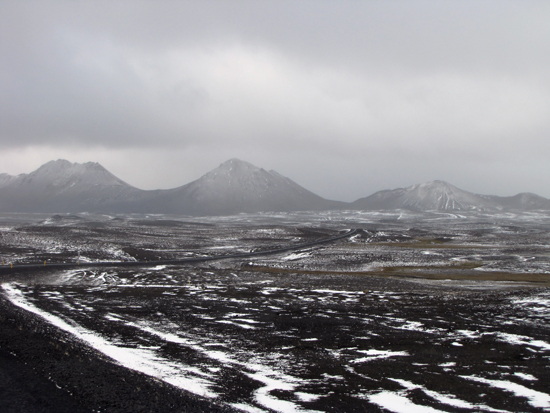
(62, 186)
(441, 196)
(235, 186)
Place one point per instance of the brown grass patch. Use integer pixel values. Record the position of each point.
(462, 271)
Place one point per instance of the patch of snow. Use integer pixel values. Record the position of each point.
(447, 399)
(534, 398)
(245, 326)
(306, 397)
(525, 376)
(378, 354)
(142, 360)
(296, 256)
(247, 408)
(523, 340)
(397, 403)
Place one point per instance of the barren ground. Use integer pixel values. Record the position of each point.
(430, 311)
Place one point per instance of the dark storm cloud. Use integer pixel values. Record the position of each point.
(393, 91)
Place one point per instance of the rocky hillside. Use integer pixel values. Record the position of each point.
(442, 196)
(62, 186)
(237, 186)
(233, 187)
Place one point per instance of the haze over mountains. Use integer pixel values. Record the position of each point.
(237, 186)
(442, 196)
(234, 187)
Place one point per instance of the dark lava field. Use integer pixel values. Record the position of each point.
(414, 313)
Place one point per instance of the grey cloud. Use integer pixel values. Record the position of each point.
(395, 91)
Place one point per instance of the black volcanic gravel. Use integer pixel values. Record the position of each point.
(319, 323)
(35, 357)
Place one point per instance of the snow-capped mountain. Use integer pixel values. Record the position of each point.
(61, 176)
(233, 187)
(525, 201)
(442, 196)
(237, 186)
(62, 186)
(5, 179)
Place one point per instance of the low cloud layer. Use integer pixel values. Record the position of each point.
(344, 98)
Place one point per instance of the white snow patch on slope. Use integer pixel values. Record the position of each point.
(398, 404)
(378, 354)
(525, 376)
(142, 360)
(269, 377)
(523, 340)
(447, 399)
(534, 398)
(296, 256)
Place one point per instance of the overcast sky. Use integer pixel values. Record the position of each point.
(345, 98)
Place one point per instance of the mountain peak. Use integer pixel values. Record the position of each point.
(434, 185)
(436, 188)
(63, 186)
(236, 165)
(428, 196)
(62, 175)
(64, 165)
(238, 186)
(234, 171)
(58, 164)
(234, 162)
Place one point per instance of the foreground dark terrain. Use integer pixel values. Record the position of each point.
(433, 312)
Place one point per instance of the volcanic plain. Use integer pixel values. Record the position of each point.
(428, 311)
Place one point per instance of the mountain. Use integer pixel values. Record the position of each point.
(6, 179)
(525, 201)
(234, 187)
(237, 186)
(62, 186)
(442, 196)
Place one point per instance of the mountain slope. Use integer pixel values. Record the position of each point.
(524, 201)
(429, 196)
(237, 186)
(233, 187)
(62, 186)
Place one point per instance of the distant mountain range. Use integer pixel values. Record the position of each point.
(442, 196)
(234, 187)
